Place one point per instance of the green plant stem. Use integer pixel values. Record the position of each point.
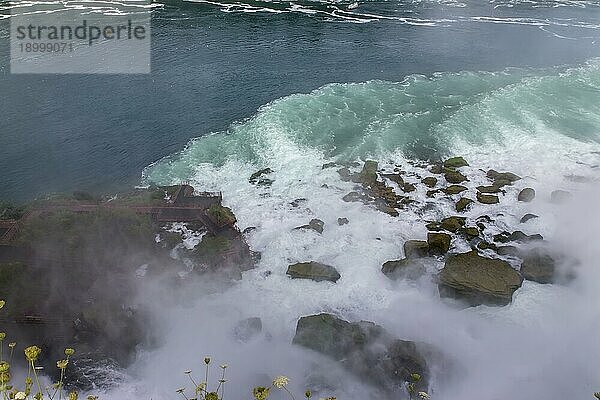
(37, 379)
(290, 393)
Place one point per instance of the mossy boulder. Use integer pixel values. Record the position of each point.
(408, 188)
(489, 189)
(455, 177)
(415, 248)
(368, 174)
(405, 268)
(487, 198)
(463, 204)
(454, 189)
(366, 350)
(220, 215)
(452, 224)
(313, 270)
(342, 221)
(430, 181)
(502, 176)
(470, 232)
(438, 243)
(539, 266)
(526, 195)
(478, 280)
(456, 162)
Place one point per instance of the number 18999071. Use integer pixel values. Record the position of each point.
(57, 47)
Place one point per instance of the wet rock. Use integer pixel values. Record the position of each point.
(346, 175)
(342, 221)
(313, 270)
(433, 226)
(528, 217)
(538, 266)
(463, 203)
(560, 196)
(259, 179)
(526, 195)
(436, 169)
(487, 198)
(438, 243)
(431, 193)
(478, 280)
(454, 177)
(483, 245)
(314, 224)
(456, 162)
(430, 181)
(396, 178)
(249, 230)
(356, 197)
(452, 224)
(454, 189)
(369, 172)
(297, 202)
(405, 268)
(247, 329)
(408, 187)
(415, 248)
(365, 349)
(516, 236)
(470, 232)
(489, 189)
(502, 176)
(508, 251)
(329, 165)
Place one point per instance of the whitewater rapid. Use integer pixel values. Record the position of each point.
(543, 125)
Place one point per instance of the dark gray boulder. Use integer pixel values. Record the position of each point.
(526, 195)
(416, 248)
(539, 266)
(247, 329)
(405, 268)
(439, 243)
(366, 350)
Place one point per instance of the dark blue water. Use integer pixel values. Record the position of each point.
(211, 68)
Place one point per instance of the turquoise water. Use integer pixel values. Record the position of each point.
(214, 64)
(420, 117)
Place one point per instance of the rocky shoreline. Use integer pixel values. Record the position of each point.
(62, 249)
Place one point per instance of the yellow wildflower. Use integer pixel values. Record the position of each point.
(260, 393)
(32, 353)
(2, 336)
(211, 396)
(307, 394)
(280, 382)
(20, 396)
(12, 344)
(73, 395)
(424, 395)
(2, 303)
(69, 352)
(62, 364)
(4, 366)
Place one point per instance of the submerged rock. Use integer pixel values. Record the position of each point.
(526, 195)
(539, 266)
(259, 179)
(405, 268)
(342, 221)
(438, 243)
(490, 189)
(528, 217)
(365, 349)
(478, 280)
(516, 236)
(470, 232)
(369, 172)
(560, 196)
(314, 224)
(247, 329)
(456, 162)
(463, 203)
(415, 248)
(313, 270)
